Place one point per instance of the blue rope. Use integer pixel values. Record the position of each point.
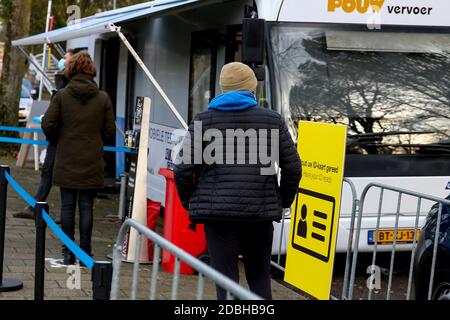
(28, 199)
(76, 250)
(119, 149)
(45, 143)
(23, 141)
(20, 129)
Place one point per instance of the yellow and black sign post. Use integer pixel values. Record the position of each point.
(315, 212)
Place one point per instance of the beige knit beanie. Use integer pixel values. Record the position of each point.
(237, 76)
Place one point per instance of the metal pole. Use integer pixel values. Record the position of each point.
(413, 252)
(122, 201)
(435, 249)
(36, 151)
(377, 229)
(153, 285)
(60, 50)
(44, 53)
(3, 199)
(39, 269)
(134, 282)
(350, 238)
(391, 268)
(5, 284)
(147, 72)
(101, 280)
(356, 246)
(38, 68)
(117, 263)
(281, 238)
(123, 195)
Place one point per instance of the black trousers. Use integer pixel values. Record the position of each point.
(45, 185)
(253, 240)
(85, 199)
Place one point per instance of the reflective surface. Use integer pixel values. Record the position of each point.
(391, 89)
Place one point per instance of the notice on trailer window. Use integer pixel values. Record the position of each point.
(161, 148)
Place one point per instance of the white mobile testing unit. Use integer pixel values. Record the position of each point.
(379, 66)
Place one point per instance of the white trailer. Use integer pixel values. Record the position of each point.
(379, 66)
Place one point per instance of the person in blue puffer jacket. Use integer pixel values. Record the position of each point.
(224, 180)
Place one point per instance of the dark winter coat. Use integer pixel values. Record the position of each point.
(237, 192)
(79, 118)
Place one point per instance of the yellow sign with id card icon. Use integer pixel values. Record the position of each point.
(315, 211)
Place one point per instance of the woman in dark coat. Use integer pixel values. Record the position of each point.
(80, 118)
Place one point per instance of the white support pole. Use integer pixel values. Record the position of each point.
(36, 152)
(122, 37)
(44, 53)
(140, 190)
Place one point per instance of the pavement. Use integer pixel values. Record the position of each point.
(20, 253)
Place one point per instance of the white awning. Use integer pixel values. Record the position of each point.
(98, 24)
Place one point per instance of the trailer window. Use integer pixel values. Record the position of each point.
(390, 89)
(203, 71)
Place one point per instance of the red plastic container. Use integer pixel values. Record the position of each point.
(153, 210)
(178, 229)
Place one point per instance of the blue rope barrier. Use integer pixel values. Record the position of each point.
(20, 129)
(119, 149)
(28, 199)
(23, 141)
(69, 243)
(45, 143)
(76, 250)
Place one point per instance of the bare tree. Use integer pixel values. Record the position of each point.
(15, 17)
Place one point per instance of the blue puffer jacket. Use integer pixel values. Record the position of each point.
(238, 192)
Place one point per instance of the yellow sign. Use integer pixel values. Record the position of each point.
(315, 212)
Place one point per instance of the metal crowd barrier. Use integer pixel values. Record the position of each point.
(101, 271)
(355, 208)
(233, 289)
(401, 193)
(277, 264)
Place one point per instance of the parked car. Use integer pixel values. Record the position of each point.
(424, 255)
(26, 100)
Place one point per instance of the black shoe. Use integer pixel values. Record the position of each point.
(68, 257)
(27, 213)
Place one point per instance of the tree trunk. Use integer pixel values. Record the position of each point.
(16, 25)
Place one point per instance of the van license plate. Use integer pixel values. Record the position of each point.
(387, 236)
